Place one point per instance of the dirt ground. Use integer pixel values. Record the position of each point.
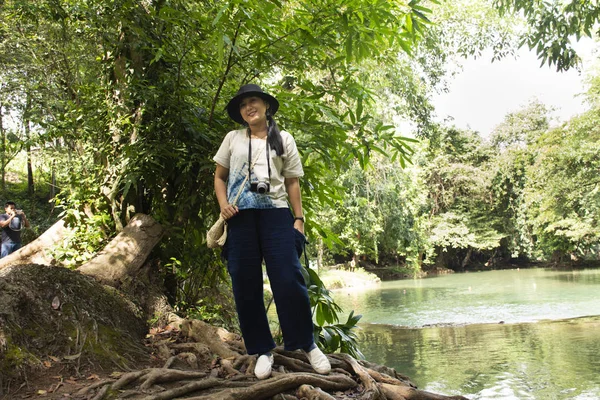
(55, 378)
(53, 383)
(62, 380)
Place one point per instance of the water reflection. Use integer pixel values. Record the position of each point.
(547, 347)
(546, 360)
(588, 277)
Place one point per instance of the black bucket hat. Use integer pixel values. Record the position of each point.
(233, 107)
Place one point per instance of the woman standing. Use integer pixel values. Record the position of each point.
(261, 227)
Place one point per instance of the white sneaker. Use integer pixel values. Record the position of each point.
(262, 370)
(318, 361)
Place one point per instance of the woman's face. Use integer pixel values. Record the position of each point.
(254, 110)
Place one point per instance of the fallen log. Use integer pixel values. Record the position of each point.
(126, 253)
(35, 252)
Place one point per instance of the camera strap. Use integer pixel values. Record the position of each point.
(250, 166)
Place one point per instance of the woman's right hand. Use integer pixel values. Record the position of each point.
(229, 211)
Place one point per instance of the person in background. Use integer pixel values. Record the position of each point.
(261, 226)
(11, 222)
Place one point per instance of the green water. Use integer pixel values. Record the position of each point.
(528, 334)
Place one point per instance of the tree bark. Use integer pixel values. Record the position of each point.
(126, 253)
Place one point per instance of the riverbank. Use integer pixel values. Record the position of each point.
(338, 277)
(342, 279)
(397, 272)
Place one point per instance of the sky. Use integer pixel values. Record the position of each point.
(484, 92)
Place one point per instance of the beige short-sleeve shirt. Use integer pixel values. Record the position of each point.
(233, 155)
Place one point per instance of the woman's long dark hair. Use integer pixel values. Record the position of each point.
(273, 135)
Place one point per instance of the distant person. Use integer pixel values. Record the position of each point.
(11, 222)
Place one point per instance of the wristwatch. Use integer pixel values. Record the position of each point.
(299, 218)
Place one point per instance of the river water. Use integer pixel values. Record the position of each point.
(512, 334)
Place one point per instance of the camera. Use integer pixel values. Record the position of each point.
(261, 187)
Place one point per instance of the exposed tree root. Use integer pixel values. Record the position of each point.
(186, 389)
(229, 375)
(128, 378)
(284, 396)
(292, 364)
(313, 393)
(282, 383)
(371, 390)
(393, 392)
(382, 369)
(167, 375)
(100, 395)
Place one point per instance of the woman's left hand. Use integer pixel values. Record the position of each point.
(299, 226)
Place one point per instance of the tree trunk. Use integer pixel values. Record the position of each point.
(3, 150)
(52, 192)
(27, 125)
(467, 258)
(30, 183)
(320, 252)
(125, 254)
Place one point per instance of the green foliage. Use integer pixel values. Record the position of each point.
(514, 140)
(88, 235)
(457, 181)
(330, 335)
(553, 25)
(509, 205)
(339, 278)
(564, 193)
(459, 231)
(194, 289)
(340, 337)
(37, 208)
(521, 128)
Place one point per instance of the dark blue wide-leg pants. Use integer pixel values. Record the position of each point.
(254, 235)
